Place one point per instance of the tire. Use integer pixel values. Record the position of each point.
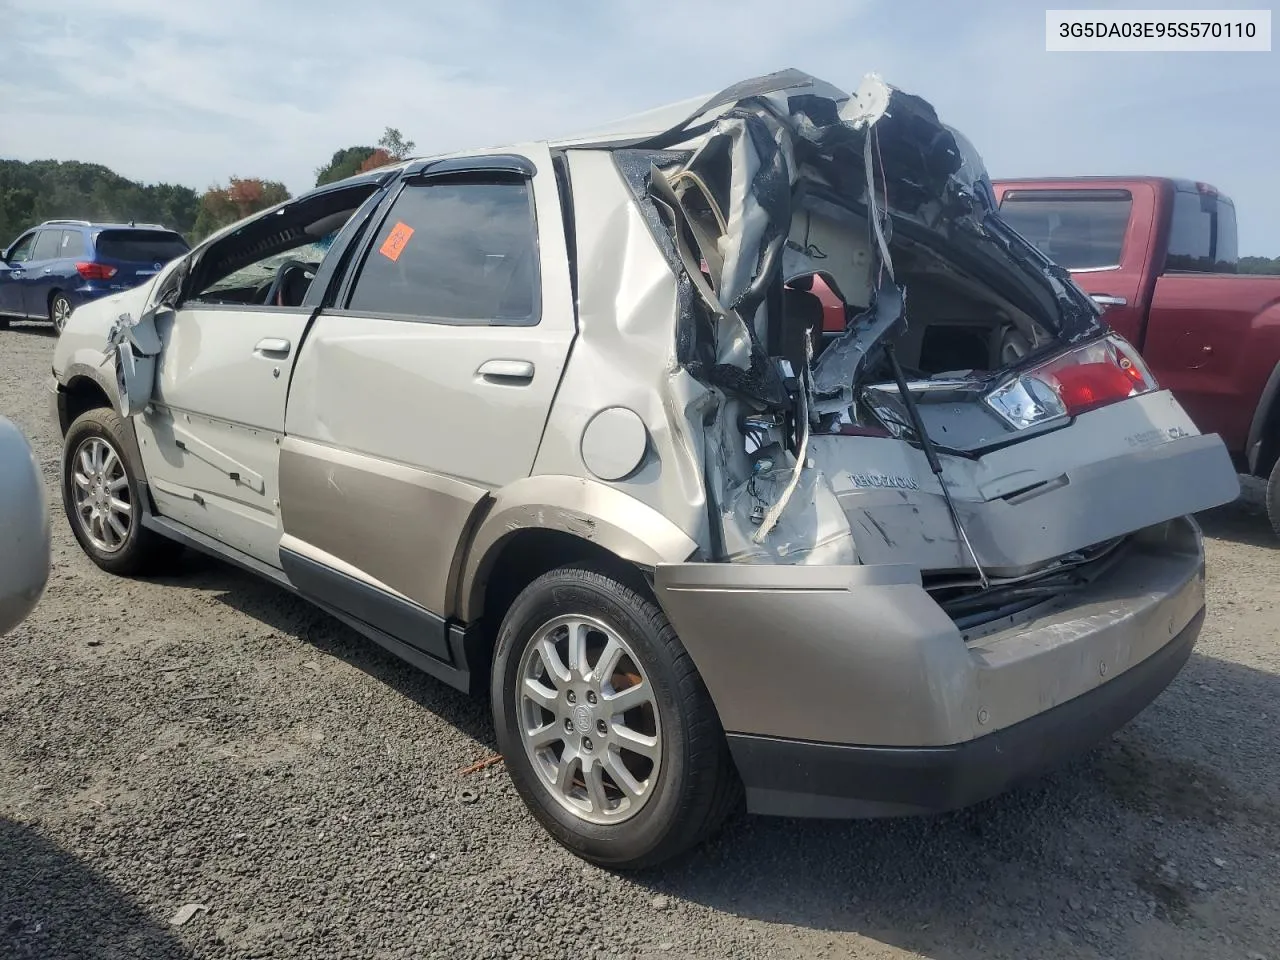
(4, 323)
(1273, 498)
(689, 788)
(98, 451)
(59, 311)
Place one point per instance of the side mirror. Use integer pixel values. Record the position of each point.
(24, 561)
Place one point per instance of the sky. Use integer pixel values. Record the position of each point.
(193, 91)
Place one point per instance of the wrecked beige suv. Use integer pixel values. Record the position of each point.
(560, 421)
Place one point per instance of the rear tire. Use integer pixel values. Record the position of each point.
(103, 498)
(641, 784)
(59, 311)
(1273, 498)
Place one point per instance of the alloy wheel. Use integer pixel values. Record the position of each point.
(589, 720)
(60, 312)
(101, 492)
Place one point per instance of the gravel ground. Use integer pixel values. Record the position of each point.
(208, 739)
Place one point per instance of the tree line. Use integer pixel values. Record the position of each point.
(50, 189)
(35, 191)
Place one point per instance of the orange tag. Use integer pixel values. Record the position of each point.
(396, 241)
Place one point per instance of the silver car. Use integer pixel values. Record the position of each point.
(24, 518)
(738, 448)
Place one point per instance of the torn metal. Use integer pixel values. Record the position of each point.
(783, 182)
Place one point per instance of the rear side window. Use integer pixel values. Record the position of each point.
(1077, 229)
(457, 249)
(47, 245)
(73, 244)
(140, 246)
(1202, 234)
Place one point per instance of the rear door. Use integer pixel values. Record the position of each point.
(428, 382)
(39, 280)
(1102, 231)
(1201, 317)
(12, 272)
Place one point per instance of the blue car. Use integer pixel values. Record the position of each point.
(53, 268)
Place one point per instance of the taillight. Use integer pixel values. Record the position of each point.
(95, 271)
(1086, 378)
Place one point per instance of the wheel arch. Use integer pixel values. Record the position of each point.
(558, 520)
(1263, 447)
(89, 388)
(82, 392)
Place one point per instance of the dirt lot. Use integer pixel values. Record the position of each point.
(208, 739)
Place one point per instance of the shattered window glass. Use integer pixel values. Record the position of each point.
(264, 271)
(460, 249)
(1077, 229)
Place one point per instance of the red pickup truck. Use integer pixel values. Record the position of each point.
(1160, 256)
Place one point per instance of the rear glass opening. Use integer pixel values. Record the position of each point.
(1076, 229)
(140, 246)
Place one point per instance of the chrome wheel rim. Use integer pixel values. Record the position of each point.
(61, 312)
(101, 492)
(589, 720)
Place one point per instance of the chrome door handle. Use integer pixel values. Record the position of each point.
(1106, 300)
(506, 371)
(273, 345)
(48, 270)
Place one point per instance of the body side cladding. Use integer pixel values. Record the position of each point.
(587, 509)
(394, 615)
(463, 658)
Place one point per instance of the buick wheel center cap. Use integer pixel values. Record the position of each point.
(582, 718)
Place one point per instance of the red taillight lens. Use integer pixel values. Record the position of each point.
(95, 271)
(1086, 378)
(1087, 386)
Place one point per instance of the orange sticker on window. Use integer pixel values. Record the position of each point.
(396, 241)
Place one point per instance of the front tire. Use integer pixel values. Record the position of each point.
(608, 731)
(102, 497)
(1273, 498)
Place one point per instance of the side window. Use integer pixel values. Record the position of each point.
(1202, 234)
(458, 249)
(47, 245)
(73, 244)
(21, 252)
(1077, 229)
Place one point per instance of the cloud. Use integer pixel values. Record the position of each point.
(195, 91)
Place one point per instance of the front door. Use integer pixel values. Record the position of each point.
(12, 273)
(209, 437)
(211, 416)
(37, 282)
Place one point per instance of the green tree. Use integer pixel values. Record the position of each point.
(31, 192)
(240, 198)
(397, 147)
(1259, 265)
(344, 163)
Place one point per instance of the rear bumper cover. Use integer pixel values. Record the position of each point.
(846, 691)
(802, 779)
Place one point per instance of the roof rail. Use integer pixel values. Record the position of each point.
(78, 223)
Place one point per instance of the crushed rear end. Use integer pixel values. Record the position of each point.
(947, 545)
